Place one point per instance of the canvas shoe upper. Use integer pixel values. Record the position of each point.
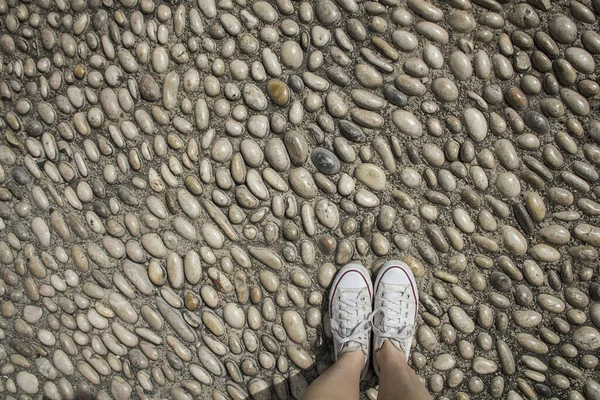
(396, 304)
(350, 311)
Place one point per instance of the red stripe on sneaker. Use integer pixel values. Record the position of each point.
(412, 287)
(338, 282)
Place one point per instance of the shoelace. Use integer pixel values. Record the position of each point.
(391, 311)
(353, 326)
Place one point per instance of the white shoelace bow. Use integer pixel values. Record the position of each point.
(394, 309)
(354, 326)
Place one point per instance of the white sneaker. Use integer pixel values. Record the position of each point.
(350, 306)
(396, 304)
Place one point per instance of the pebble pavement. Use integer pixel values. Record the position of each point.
(180, 181)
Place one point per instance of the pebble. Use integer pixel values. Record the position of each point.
(278, 92)
(27, 382)
(371, 176)
(407, 123)
(294, 326)
(445, 89)
(325, 161)
(562, 28)
(476, 124)
(586, 338)
(301, 181)
(460, 320)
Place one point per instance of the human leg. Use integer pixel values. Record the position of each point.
(341, 381)
(350, 305)
(397, 380)
(396, 305)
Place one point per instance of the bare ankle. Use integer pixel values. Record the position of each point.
(354, 357)
(388, 353)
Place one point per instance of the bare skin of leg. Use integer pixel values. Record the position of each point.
(396, 379)
(341, 381)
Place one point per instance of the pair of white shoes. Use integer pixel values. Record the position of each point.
(388, 307)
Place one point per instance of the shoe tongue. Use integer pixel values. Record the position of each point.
(395, 289)
(352, 346)
(352, 322)
(397, 344)
(353, 293)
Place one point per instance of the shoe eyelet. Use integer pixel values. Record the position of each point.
(339, 297)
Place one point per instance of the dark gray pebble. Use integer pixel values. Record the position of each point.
(523, 218)
(537, 122)
(352, 132)
(325, 161)
(20, 175)
(394, 96)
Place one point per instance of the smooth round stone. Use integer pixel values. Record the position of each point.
(537, 122)
(416, 67)
(462, 21)
(294, 326)
(445, 89)
(296, 146)
(562, 28)
(278, 92)
(586, 338)
(460, 65)
(460, 320)
(120, 389)
(27, 382)
(551, 303)
(368, 76)
(524, 16)
(514, 241)
(508, 184)
(476, 124)
(254, 97)
(516, 98)
(507, 154)
(149, 89)
(580, 59)
(433, 32)
(556, 234)
(327, 213)
(409, 85)
(327, 12)
(302, 183)
(545, 253)
(484, 366)
(325, 161)
(371, 176)
(531, 85)
(591, 41)
(300, 358)
(234, 316)
(265, 11)
(407, 123)
(213, 236)
(463, 221)
(444, 362)
(276, 155)
(575, 102)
